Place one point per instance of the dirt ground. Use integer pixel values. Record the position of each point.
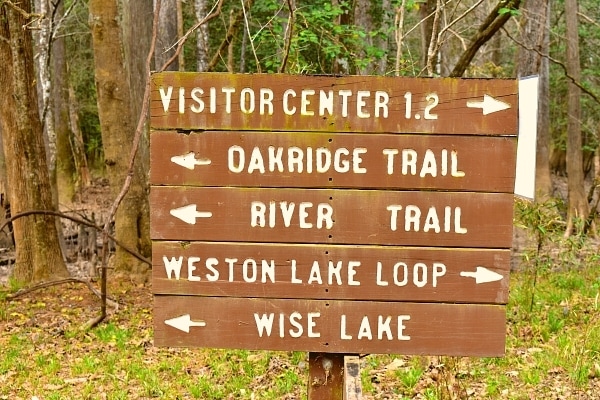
(136, 298)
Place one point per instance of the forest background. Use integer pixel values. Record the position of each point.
(73, 107)
(85, 116)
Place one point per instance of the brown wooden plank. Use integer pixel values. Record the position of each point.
(358, 103)
(330, 326)
(346, 216)
(326, 377)
(465, 163)
(331, 272)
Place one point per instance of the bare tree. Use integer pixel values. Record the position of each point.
(38, 253)
(166, 40)
(429, 24)
(118, 130)
(494, 21)
(66, 174)
(43, 42)
(534, 41)
(202, 38)
(578, 205)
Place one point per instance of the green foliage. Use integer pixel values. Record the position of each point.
(319, 41)
(410, 377)
(324, 40)
(113, 335)
(551, 252)
(14, 285)
(554, 348)
(513, 12)
(542, 219)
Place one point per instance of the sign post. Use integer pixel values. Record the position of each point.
(332, 214)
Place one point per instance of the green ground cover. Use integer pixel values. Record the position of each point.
(552, 351)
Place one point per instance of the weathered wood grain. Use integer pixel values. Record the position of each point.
(333, 326)
(329, 272)
(436, 105)
(358, 216)
(267, 159)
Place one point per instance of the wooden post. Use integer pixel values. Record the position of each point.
(325, 376)
(342, 144)
(352, 385)
(334, 376)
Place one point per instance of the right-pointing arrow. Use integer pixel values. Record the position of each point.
(189, 214)
(482, 275)
(489, 104)
(183, 323)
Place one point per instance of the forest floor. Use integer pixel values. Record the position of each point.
(552, 343)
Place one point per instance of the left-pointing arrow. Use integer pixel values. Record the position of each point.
(184, 323)
(189, 160)
(189, 214)
(482, 275)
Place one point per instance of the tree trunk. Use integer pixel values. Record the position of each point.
(43, 48)
(180, 33)
(373, 17)
(137, 38)
(202, 38)
(43, 44)
(399, 35)
(432, 65)
(66, 175)
(578, 207)
(534, 38)
(116, 122)
(488, 28)
(230, 47)
(341, 66)
(364, 19)
(137, 35)
(38, 254)
(166, 41)
(427, 13)
(543, 174)
(383, 42)
(77, 144)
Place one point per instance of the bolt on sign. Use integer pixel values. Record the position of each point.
(332, 214)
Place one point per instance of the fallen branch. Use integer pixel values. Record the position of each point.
(43, 285)
(78, 221)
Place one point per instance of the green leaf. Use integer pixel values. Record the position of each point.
(513, 12)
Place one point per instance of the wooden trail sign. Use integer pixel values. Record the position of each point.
(287, 271)
(366, 104)
(332, 214)
(330, 326)
(312, 159)
(455, 219)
